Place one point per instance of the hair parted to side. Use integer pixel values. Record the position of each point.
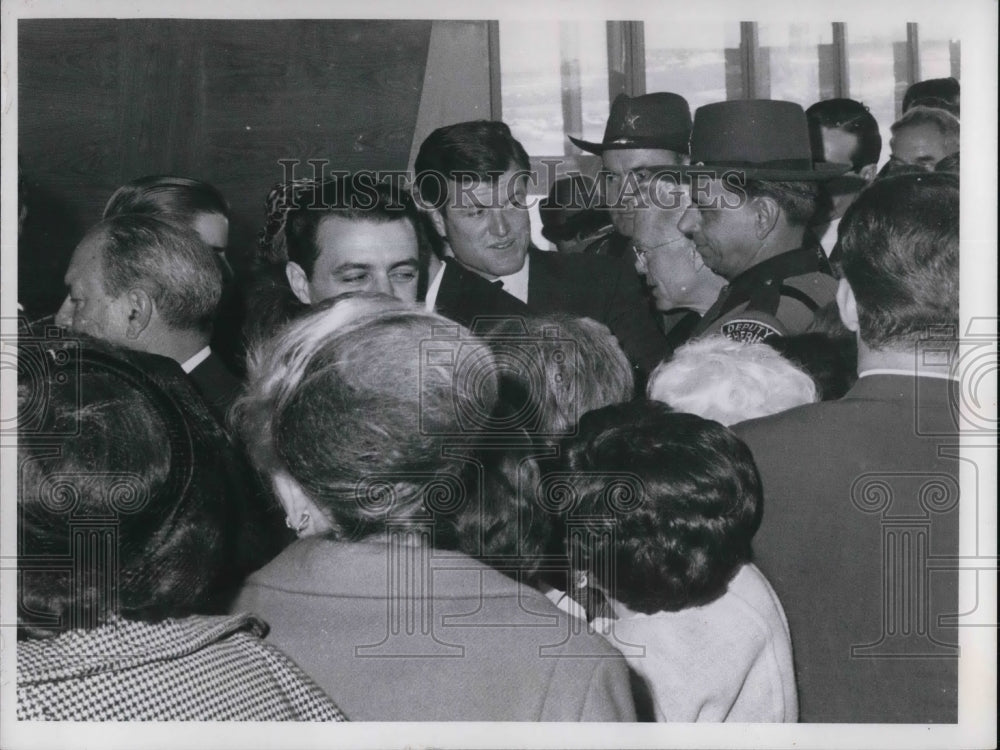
(677, 541)
(729, 381)
(167, 260)
(357, 197)
(798, 200)
(480, 148)
(137, 447)
(180, 197)
(946, 123)
(900, 254)
(852, 117)
(357, 416)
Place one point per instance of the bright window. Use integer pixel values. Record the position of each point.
(877, 65)
(554, 81)
(692, 60)
(793, 53)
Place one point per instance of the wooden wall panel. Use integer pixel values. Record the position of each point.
(105, 101)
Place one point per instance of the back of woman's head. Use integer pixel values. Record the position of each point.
(126, 505)
(665, 505)
(359, 411)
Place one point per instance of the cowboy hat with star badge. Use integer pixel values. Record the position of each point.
(661, 121)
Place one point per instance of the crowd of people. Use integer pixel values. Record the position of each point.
(687, 466)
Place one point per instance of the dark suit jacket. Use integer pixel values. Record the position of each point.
(592, 286)
(860, 524)
(217, 385)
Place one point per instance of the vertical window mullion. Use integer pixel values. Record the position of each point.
(913, 53)
(842, 78)
(756, 77)
(569, 76)
(626, 59)
(493, 51)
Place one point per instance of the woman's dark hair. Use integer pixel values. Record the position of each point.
(849, 116)
(665, 505)
(181, 197)
(130, 498)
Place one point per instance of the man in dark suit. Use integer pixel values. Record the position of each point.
(151, 285)
(860, 528)
(473, 179)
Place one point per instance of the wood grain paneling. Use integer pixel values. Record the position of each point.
(105, 101)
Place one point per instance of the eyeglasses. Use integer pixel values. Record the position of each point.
(642, 252)
(640, 257)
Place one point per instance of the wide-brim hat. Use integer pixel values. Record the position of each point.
(764, 139)
(661, 120)
(572, 204)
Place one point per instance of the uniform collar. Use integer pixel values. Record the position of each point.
(796, 262)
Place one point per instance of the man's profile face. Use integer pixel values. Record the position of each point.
(361, 255)
(721, 224)
(921, 145)
(486, 224)
(88, 308)
(618, 163)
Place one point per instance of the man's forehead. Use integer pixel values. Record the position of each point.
(628, 159)
(486, 189)
(90, 250)
(702, 186)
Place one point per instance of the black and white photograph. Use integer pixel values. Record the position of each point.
(389, 375)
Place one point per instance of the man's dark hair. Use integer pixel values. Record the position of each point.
(946, 124)
(181, 197)
(943, 93)
(482, 148)
(136, 446)
(354, 198)
(851, 117)
(950, 163)
(799, 200)
(166, 259)
(831, 361)
(675, 535)
(900, 254)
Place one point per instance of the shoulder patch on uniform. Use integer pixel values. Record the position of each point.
(747, 330)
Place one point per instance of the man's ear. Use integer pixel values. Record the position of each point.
(847, 305)
(868, 172)
(766, 215)
(139, 311)
(298, 281)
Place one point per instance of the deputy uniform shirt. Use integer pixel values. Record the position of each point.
(777, 297)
